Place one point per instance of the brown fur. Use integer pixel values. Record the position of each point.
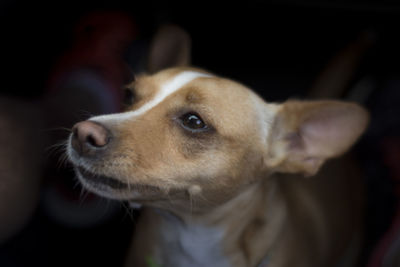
(244, 176)
(231, 176)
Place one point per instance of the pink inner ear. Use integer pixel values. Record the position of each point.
(331, 130)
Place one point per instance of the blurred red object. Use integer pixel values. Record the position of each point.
(88, 78)
(99, 42)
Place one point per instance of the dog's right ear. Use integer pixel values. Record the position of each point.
(170, 47)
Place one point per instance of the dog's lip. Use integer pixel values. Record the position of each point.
(94, 178)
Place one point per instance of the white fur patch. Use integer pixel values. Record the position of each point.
(191, 244)
(166, 90)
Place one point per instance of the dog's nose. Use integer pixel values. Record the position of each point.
(88, 137)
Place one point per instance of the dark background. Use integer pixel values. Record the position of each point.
(276, 47)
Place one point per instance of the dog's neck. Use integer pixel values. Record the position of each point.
(239, 230)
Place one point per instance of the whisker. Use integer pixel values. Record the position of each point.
(55, 147)
(83, 195)
(59, 151)
(62, 162)
(77, 184)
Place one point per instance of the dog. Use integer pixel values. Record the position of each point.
(224, 177)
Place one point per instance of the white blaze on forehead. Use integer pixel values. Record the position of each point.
(167, 89)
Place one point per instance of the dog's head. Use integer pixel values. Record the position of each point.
(190, 139)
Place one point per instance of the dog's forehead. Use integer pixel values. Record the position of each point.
(193, 84)
(219, 94)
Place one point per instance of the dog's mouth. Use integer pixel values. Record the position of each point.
(97, 180)
(114, 188)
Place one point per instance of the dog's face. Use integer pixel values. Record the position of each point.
(190, 140)
(185, 136)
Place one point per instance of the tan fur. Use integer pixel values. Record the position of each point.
(243, 176)
(159, 145)
(297, 148)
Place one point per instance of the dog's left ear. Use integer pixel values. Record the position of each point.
(170, 47)
(306, 133)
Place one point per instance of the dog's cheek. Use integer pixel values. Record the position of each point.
(194, 145)
(193, 148)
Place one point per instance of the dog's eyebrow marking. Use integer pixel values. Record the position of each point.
(166, 90)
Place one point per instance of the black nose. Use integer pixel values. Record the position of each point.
(88, 138)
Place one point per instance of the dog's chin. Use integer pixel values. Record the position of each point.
(105, 186)
(114, 188)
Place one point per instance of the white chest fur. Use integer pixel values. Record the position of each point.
(190, 245)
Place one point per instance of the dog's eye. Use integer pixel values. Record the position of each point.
(192, 121)
(128, 97)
